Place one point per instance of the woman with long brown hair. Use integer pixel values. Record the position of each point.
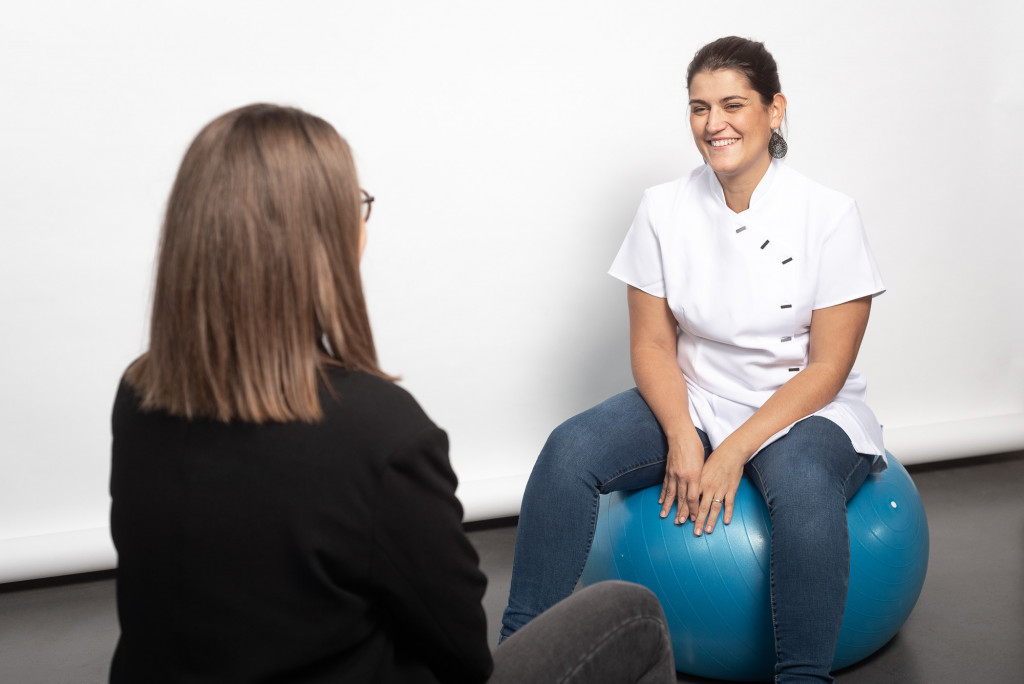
(282, 511)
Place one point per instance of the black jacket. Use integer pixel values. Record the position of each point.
(331, 552)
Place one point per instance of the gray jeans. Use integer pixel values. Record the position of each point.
(611, 632)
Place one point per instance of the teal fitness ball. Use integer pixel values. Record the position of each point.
(715, 588)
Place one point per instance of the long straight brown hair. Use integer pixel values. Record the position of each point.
(258, 286)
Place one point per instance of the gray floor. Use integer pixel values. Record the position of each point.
(968, 625)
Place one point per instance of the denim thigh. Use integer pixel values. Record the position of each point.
(813, 465)
(614, 446)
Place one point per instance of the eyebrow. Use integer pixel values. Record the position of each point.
(724, 99)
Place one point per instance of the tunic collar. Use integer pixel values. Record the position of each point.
(763, 186)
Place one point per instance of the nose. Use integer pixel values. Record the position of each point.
(716, 121)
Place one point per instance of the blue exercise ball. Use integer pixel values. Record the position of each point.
(715, 588)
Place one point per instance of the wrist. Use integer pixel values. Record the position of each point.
(737, 448)
(682, 438)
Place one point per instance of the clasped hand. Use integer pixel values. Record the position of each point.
(701, 488)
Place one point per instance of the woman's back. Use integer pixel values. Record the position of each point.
(281, 510)
(293, 551)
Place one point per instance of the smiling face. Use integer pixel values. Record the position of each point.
(731, 125)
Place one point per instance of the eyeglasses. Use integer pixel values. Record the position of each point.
(368, 201)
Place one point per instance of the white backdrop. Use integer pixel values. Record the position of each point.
(508, 144)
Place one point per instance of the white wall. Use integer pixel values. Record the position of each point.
(508, 144)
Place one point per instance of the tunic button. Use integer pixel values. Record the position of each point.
(787, 306)
(786, 339)
(741, 229)
(787, 260)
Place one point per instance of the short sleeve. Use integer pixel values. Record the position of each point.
(638, 262)
(846, 267)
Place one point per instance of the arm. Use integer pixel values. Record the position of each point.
(835, 337)
(425, 566)
(652, 352)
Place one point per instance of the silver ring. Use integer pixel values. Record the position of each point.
(717, 501)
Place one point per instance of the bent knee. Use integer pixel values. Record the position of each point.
(626, 599)
(570, 445)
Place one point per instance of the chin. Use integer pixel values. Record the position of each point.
(723, 167)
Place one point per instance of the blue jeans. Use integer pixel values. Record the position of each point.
(806, 479)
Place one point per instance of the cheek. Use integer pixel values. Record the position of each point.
(765, 122)
(756, 126)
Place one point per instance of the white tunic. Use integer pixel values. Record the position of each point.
(742, 287)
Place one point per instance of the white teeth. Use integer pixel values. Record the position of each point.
(723, 143)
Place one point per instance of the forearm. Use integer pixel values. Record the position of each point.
(663, 387)
(808, 391)
(836, 334)
(652, 353)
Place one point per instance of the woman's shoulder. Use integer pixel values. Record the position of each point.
(127, 399)
(373, 400)
(382, 423)
(366, 384)
(667, 202)
(350, 389)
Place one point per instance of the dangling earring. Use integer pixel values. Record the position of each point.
(777, 146)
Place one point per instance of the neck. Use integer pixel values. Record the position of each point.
(739, 189)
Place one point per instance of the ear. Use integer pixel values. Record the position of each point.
(777, 109)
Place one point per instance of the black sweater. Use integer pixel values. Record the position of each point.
(331, 552)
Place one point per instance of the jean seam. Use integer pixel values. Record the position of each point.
(594, 510)
(601, 640)
(853, 470)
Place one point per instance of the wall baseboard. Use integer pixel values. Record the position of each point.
(56, 554)
(956, 439)
(497, 497)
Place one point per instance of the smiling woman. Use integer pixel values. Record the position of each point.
(736, 110)
(749, 288)
(732, 129)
